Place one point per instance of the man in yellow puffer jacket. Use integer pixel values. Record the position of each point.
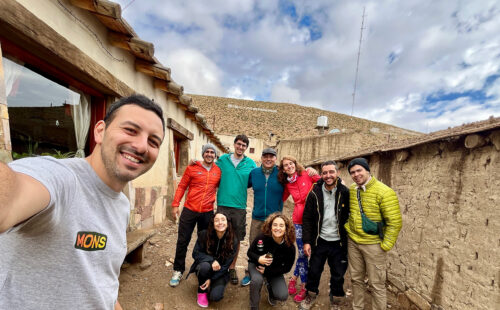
(367, 252)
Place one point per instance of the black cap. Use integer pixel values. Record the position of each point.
(269, 151)
(358, 161)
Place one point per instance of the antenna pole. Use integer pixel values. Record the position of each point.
(357, 63)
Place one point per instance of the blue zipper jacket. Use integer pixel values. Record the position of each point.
(267, 193)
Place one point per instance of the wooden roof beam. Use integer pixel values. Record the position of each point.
(153, 70)
(138, 47)
(169, 87)
(101, 7)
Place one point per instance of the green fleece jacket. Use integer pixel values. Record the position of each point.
(378, 201)
(234, 182)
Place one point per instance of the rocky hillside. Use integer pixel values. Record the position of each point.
(284, 120)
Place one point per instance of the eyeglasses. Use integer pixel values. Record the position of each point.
(241, 144)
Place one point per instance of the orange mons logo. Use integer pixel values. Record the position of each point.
(90, 241)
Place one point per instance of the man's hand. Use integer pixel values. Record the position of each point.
(216, 265)
(205, 285)
(175, 212)
(307, 249)
(311, 171)
(192, 162)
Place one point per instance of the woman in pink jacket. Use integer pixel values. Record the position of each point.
(297, 183)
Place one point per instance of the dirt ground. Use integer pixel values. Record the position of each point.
(143, 287)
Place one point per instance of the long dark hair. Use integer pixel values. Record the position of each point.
(289, 235)
(282, 176)
(227, 247)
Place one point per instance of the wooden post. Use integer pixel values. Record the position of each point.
(474, 141)
(402, 155)
(495, 139)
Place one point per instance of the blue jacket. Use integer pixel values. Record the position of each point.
(267, 194)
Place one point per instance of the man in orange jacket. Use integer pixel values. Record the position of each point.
(202, 179)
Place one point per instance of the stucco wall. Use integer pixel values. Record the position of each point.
(448, 251)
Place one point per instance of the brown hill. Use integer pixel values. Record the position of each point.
(285, 120)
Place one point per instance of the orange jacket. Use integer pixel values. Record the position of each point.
(202, 188)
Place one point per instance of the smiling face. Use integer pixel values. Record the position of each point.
(329, 175)
(209, 156)
(278, 228)
(359, 174)
(289, 167)
(268, 161)
(239, 148)
(129, 144)
(220, 223)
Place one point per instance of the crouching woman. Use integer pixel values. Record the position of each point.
(270, 256)
(213, 253)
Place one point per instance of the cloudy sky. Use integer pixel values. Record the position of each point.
(424, 65)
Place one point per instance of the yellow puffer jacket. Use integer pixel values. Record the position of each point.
(379, 200)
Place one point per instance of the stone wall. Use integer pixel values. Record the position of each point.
(447, 254)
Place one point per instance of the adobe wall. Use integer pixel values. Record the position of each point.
(448, 251)
(314, 147)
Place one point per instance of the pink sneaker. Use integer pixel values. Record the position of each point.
(301, 295)
(202, 300)
(292, 290)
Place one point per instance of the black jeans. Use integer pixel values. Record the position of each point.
(337, 260)
(204, 272)
(187, 221)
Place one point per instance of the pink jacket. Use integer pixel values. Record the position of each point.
(299, 190)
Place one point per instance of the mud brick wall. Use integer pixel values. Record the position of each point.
(311, 148)
(448, 253)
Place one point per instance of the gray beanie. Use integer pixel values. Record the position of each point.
(208, 146)
(358, 161)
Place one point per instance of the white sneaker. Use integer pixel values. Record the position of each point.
(176, 278)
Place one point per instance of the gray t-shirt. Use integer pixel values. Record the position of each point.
(236, 161)
(69, 255)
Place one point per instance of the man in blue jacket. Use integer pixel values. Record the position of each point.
(268, 193)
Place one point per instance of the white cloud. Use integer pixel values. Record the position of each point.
(283, 93)
(235, 92)
(195, 72)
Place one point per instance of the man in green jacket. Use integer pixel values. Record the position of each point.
(232, 193)
(367, 252)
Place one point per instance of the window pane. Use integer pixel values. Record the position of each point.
(40, 115)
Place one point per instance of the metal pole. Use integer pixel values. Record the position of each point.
(357, 63)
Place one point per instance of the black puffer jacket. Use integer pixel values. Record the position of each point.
(312, 219)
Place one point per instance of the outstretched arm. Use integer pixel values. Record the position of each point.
(21, 197)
